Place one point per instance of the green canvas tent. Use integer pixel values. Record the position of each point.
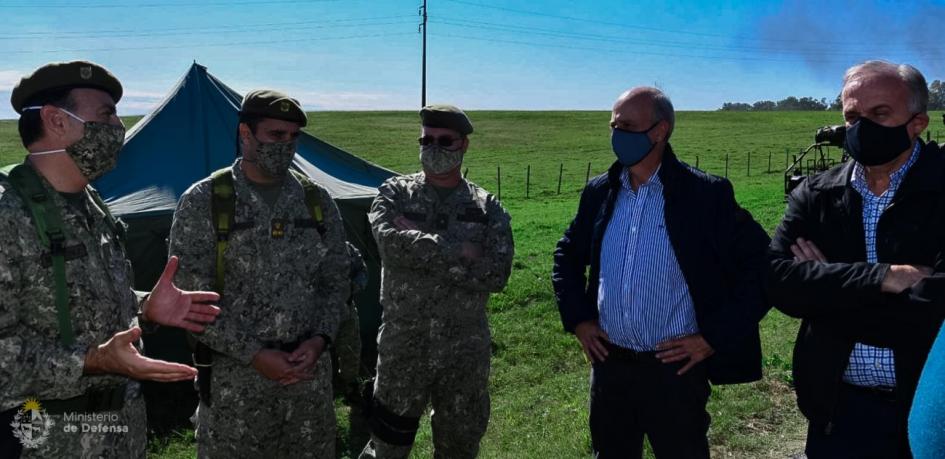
(191, 134)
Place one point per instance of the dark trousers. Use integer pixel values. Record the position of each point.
(637, 396)
(865, 425)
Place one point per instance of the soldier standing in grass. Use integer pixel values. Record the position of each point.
(445, 244)
(272, 243)
(69, 319)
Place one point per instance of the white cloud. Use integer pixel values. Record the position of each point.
(346, 100)
(9, 79)
(139, 102)
(339, 100)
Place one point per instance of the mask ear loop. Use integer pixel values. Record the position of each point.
(49, 152)
(67, 112)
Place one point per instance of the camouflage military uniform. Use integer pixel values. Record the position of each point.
(347, 346)
(434, 341)
(277, 290)
(33, 361)
(346, 352)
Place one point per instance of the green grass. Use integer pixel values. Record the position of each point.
(539, 383)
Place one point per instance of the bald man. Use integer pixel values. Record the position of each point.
(674, 294)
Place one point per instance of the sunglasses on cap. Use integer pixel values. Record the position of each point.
(443, 140)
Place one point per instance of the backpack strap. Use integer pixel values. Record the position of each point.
(223, 211)
(50, 228)
(223, 214)
(115, 225)
(312, 201)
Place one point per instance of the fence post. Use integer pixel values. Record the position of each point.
(498, 178)
(785, 158)
(726, 165)
(528, 179)
(466, 173)
(560, 173)
(587, 178)
(769, 161)
(697, 161)
(749, 164)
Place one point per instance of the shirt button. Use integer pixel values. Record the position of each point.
(633, 229)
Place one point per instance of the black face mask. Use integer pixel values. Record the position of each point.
(872, 144)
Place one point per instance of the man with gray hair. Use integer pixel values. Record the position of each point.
(675, 289)
(856, 258)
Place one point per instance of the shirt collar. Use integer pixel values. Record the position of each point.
(653, 182)
(895, 179)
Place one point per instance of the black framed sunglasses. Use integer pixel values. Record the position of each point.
(443, 140)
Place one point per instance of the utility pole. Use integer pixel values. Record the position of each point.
(423, 81)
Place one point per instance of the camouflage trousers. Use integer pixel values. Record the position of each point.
(453, 376)
(108, 434)
(347, 351)
(251, 416)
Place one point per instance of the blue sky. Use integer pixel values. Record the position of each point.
(482, 54)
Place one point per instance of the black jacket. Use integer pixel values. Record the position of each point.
(720, 248)
(840, 301)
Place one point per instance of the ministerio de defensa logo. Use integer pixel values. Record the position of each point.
(32, 425)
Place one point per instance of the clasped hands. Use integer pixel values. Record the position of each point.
(290, 368)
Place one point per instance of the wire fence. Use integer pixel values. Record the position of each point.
(529, 181)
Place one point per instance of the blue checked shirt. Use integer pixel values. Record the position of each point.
(874, 366)
(643, 298)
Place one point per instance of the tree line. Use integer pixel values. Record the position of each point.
(936, 102)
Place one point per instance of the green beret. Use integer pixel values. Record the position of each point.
(273, 104)
(64, 75)
(446, 116)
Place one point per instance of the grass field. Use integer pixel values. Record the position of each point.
(539, 382)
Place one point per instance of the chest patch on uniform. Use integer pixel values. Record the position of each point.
(277, 228)
(473, 215)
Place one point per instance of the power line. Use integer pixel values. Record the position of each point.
(159, 5)
(644, 28)
(614, 39)
(230, 30)
(206, 28)
(209, 45)
(633, 52)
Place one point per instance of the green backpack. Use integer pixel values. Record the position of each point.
(47, 219)
(223, 214)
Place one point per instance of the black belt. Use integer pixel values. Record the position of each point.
(622, 354)
(884, 393)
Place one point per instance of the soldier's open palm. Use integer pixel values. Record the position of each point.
(119, 356)
(169, 305)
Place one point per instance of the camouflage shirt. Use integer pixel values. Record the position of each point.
(425, 279)
(33, 360)
(277, 289)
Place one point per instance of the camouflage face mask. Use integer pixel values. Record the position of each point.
(96, 152)
(274, 158)
(438, 160)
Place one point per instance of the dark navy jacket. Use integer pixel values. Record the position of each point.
(841, 302)
(720, 248)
